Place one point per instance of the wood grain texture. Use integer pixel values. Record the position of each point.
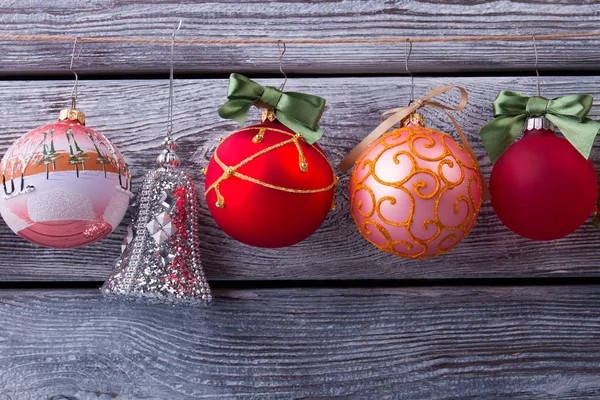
(224, 19)
(467, 343)
(122, 111)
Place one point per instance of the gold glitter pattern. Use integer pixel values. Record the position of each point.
(231, 171)
(425, 181)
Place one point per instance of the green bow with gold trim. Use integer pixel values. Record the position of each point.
(567, 113)
(298, 111)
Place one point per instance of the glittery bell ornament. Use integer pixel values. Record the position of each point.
(160, 259)
(65, 185)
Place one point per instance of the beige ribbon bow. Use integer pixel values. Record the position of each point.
(396, 115)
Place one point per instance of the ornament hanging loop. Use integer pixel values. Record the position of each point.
(168, 159)
(75, 85)
(535, 67)
(281, 52)
(407, 52)
(170, 104)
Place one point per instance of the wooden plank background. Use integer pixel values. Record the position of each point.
(120, 109)
(426, 343)
(283, 324)
(288, 20)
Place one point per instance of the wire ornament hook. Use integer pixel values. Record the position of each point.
(281, 53)
(537, 73)
(170, 103)
(407, 52)
(76, 84)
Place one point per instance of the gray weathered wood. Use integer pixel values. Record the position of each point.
(432, 343)
(121, 110)
(283, 20)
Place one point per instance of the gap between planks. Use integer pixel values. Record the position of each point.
(221, 284)
(182, 74)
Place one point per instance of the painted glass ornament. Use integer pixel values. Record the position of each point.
(65, 185)
(415, 192)
(160, 259)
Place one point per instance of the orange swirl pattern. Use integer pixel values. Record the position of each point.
(415, 192)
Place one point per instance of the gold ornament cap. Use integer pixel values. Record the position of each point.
(414, 118)
(268, 115)
(72, 115)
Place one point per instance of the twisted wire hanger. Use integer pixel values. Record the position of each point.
(407, 52)
(170, 103)
(537, 73)
(281, 53)
(76, 84)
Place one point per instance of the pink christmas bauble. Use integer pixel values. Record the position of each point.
(415, 192)
(65, 185)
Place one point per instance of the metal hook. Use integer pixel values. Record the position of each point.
(74, 90)
(281, 53)
(537, 73)
(126, 186)
(210, 150)
(407, 52)
(170, 104)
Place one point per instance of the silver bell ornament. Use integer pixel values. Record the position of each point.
(160, 261)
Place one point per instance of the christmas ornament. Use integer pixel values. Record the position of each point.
(414, 192)
(270, 185)
(65, 185)
(543, 186)
(160, 259)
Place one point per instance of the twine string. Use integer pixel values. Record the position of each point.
(431, 39)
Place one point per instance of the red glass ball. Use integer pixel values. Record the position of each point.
(263, 216)
(542, 188)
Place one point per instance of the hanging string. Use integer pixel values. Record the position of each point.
(51, 38)
(536, 66)
(407, 53)
(76, 84)
(281, 53)
(170, 104)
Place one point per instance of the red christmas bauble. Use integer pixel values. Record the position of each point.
(266, 187)
(542, 188)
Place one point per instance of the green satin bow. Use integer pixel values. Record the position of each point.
(567, 113)
(298, 111)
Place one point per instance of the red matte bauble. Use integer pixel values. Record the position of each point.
(542, 188)
(266, 187)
